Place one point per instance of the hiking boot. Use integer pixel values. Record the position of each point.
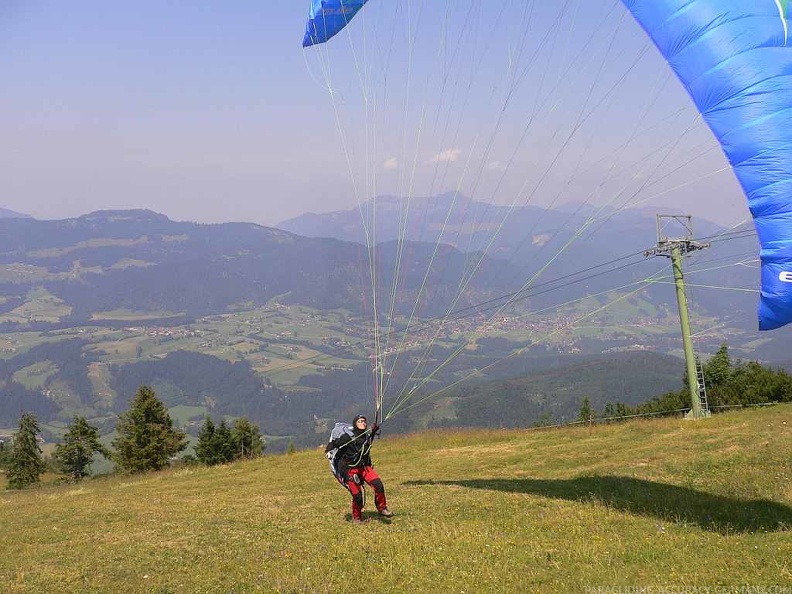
(386, 513)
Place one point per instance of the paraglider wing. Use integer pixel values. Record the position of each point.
(328, 17)
(735, 59)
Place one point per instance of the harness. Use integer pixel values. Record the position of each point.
(333, 456)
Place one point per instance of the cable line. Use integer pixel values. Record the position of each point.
(547, 286)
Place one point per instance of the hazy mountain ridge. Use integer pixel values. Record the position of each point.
(81, 302)
(530, 243)
(5, 213)
(142, 261)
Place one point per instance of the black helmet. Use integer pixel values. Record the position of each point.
(356, 419)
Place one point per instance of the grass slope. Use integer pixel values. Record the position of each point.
(647, 503)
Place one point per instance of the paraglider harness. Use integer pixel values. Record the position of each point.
(332, 455)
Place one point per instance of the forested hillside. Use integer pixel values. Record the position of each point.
(140, 261)
(555, 394)
(552, 244)
(242, 320)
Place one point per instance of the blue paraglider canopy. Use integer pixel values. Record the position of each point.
(328, 17)
(735, 60)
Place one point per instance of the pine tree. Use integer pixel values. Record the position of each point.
(79, 445)
(223, 444)
(26, 465)
(585, 413)
(146, 437)
(718, 370)
(204, 449)
(622, 410)
(220, 445)
(247, 439)
(5, 453)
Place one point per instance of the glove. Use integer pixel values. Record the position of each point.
(355, 478)
(375, 429)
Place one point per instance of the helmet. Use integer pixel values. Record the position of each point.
(356, 419)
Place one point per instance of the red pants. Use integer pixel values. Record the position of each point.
(368, 475)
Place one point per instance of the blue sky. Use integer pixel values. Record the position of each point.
(212, 111)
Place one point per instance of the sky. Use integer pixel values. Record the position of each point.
(212, 111)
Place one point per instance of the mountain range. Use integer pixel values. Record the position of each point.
(10, 214)
(477, 256)
(142, 261)
(579, 250)
(277, 321)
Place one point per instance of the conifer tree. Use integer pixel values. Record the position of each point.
(220, 445)
(585, 414)
(204, 449)
(223, 445)
(5, 453)
(247, 439)
(146, 437)
(79, 445)
(718, 370)
(26, 465)
(622, 410)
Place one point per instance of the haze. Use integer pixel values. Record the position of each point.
(212, 112)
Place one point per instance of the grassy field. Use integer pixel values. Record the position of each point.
(649, 503)
(250, 335)
(41, 306)
(34, 376)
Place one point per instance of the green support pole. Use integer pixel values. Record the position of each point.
(687, 342)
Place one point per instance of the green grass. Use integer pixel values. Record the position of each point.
(649, 503)
(17, 272)
(99, 376)
(90, 243)
(34, 376)
(134, 316)
(41, 306)
(181, 414)
(131, 263)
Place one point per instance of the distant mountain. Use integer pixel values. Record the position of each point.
(141, 261)
(539, 246)
(138, 260)
(212, 316)
(515, 232)
(10, 214)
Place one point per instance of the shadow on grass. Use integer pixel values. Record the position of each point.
(646, 498)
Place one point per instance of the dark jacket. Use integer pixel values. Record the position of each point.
(353, 450)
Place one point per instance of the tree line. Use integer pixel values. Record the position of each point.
(728, 384)
(147, 440)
